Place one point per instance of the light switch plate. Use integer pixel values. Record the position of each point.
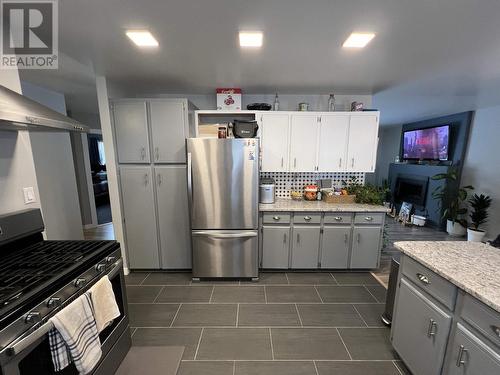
(29, 195)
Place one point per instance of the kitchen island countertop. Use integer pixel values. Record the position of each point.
(283, 204)
(471, 266)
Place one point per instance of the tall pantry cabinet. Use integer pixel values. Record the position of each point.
(150, 146)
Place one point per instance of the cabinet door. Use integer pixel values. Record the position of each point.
(169, 131)
(365, 247)
(471, 356)
(335, 247)
(275, 246)
(362, 145)
(275, 139)
(419, 331)
(303, 144)
(140, 218)
(305, 246)
(131, 129)
(173, 216)
(332, 146)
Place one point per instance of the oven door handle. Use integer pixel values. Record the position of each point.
(26, 342)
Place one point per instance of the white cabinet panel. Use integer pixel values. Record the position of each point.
(131, 129)
(333, 138)
(275, 140)
(304, 143)
(169, 131)
(362, 145)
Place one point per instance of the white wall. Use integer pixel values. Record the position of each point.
(482, 161)
(55, 172)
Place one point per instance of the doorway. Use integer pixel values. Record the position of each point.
(99, 178)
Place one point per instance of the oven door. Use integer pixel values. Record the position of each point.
(31, 354)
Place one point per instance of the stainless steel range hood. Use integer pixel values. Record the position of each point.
(17, 112)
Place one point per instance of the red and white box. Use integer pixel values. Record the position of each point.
(228, 99)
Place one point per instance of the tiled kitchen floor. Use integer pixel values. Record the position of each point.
(287, 323)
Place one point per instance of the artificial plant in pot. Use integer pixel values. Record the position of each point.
(451, 202)
(478, 216)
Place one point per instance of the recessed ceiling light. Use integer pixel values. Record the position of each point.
(251, 39)
(142, 38)
(358, 40)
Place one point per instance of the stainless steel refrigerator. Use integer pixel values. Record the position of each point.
(223, 179)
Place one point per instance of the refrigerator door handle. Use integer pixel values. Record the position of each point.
(190, 182)
(215, 234)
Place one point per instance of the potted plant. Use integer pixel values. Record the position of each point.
(454, 201)
(478, 216)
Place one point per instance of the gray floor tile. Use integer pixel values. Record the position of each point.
(235, 344)
(378, 291)
(368, 343)
(314, 278)
(205, 368)
(151, 315)
(355, 278)
(291, 294)
(142, 294)
(356, 368)
(330, 315)
(135, 278)
(168, 278)
(205, 315)
(345, 294)
(238, 294)
(185, 294)
(270, 278)
(268, 315)
(307, 343)
(217, 282)
(275, 368)
(402, 367)
(187, 337)
(371, 313)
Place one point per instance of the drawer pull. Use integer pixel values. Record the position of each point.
(423, 278)
(496, 330)
(431, 330)
(338, 218)
(277, 218)
(307, 218)
(461, 352)
(369, 218)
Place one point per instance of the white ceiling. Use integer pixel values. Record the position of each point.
(432, 50)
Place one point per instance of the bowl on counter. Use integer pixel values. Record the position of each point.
(296, 195)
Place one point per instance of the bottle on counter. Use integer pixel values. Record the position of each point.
(331, 103)
(276, 105)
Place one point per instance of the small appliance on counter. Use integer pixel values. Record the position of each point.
(245, 129)
(267, 190)
(311, 192)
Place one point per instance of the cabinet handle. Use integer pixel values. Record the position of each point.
(369, 218)
(338, 218)
(346, 237)
(159, 179)
(284, 237)
(282, 162)
(352, 162)
(298, 237)
(295, 162)
(340, 163)
(496, 330)
(143, 153)
(146, 179)
(461, 352)
(276, 218)
(307, 218)
(157, 153)
(424, 279)
(358, 237)
(431, 330)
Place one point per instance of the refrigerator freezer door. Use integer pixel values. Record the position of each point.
(223, 180)
(225, 253)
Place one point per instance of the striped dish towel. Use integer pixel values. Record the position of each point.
(74, 337)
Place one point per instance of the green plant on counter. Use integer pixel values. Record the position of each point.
(368, 194)
(479, 214)
(455, 202)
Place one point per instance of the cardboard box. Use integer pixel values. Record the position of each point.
(229, 99)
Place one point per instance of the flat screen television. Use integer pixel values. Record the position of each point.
(426, 144)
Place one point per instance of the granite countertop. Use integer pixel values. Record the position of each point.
(471, 266)
(282, 204)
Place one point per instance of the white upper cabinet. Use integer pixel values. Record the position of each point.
(362, 144)
(332, 143)
(304, 143)
(169, 131)
(274, 130)
(131, 128)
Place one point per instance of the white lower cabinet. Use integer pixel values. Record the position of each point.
(140, 219)
(335, 247)
(305, 246)
(275, 246)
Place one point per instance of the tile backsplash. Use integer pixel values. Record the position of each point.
(286, 181)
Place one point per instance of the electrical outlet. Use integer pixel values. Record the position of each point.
(29, 195)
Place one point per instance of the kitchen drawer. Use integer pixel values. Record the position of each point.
(276, 218)
(338, 218)
(369, 218)
(438, 287)
(306, 218)
(482, 317)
